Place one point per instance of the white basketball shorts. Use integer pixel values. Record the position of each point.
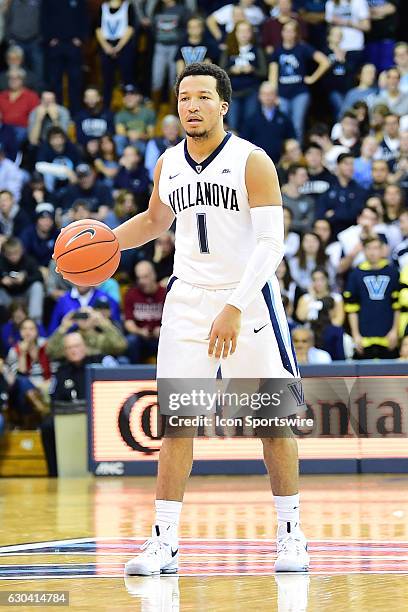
(264, 346)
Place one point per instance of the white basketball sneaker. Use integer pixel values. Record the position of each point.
(159, 555)
(292, 550)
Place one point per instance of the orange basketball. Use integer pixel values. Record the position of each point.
(87, 252)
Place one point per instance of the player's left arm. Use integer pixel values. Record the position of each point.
(265, 203)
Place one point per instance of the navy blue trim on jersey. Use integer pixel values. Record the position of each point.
(203, 165)
(275, 325)
(170, 283)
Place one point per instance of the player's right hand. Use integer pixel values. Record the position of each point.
(224, 332)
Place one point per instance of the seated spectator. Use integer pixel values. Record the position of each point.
(354, 19)
(59, 151)
(20, 278)
(319, 134)
(380, 177)
(8, 141)
(347, 133)
(320, 178)
(15, 59)
(170, 127)
(163, 258)
(39, 239)
(271, 29)
(363, 165)
(11, 177)
(341, 204)
(391, 96)
(310, 255)
(288, 75)
(352, 239)
(4, 396)
(133, 176)
(377, 118)
(361, 110)
(403, 352)
(394, 203)
(291, 154)
(100, 335)
(310, 303)
(336, 81)
(401, 62)
(106, 164)
(13, 220)
(143, 312)
(135, 122)
(56, 286)
(301, 206)
(31, 374)
(10, 331)
(329, 336)
(17, 102)
(268, 127)
(74, 370)
(92, 122)
(291, 239)
(322, 228)
(245, 63)
(403, 301)
(289, 290)
(125, 208)
(79, 211)
(46, 115)
(197, 47)
(366, 89)
(381, 36)
(390, 143)
(306, 352)
(33, 193)
(89, 189)
(372, 304)
(76, 298)
(400, 252)
(399, 166)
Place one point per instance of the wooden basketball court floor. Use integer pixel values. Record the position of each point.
(76, 534)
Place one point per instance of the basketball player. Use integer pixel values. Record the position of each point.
(223, 303)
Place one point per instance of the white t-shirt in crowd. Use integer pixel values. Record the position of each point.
(225, 16)
(356, 10)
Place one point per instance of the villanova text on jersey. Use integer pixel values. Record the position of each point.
(203, 194)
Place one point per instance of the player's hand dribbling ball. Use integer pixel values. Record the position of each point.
(86, 252)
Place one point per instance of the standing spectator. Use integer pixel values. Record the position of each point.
(268, 127)
(46, 115)
(301, 206)
(39, 239)
(135, 122)
(15, 59)
(311, 254)
(64, 29)
(353, 17)
(170, 127)
(16, 103)
(228, 15)
(320, 178)
(143, 312)
(11, 177)
(381, 37)
(245, 63)
(371, 302)
(288, 74)
(363, 165)
(341, 204)
(76, 298)
(168, 27)
(197, 47)
(92, 121)
(391, 96)
(23, 28)
(336, 81)
(133, 176)
(313, 14)
(20, 278)
(271, 31)
(401, 62)
(366, 89)
(59, 151)
(115, 34)
(13, 219)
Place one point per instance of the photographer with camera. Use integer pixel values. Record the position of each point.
(100, 335)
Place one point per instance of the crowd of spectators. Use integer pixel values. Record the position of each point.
(87, 108)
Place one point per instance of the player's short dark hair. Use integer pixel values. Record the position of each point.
(224, 88)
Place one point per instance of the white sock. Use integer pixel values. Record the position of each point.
(287, 509)
(168, 517)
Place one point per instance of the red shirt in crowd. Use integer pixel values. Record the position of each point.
(271, 32)
(145, 310)
(16, 112)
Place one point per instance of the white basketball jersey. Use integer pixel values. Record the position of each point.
(214, 234)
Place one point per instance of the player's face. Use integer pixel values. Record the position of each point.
(199, 106)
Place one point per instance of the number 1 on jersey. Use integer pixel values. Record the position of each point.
(202, 232)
